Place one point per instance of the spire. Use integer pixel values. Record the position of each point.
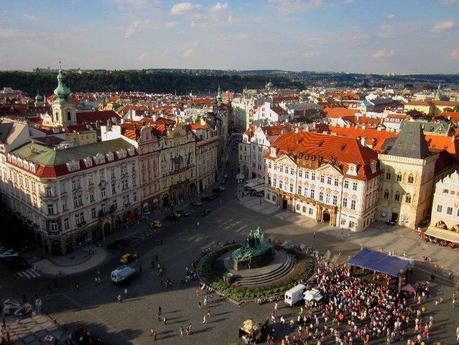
(62, 91)
(219, 94)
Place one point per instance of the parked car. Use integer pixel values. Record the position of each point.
(119, 244)
(128, 257)
(184, 213)
(196, 203)
(156, 224)
(173, 216)
(205, 212)
(10, 306)
(8, 254)
(16, 263)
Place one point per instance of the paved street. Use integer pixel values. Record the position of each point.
(129, 322)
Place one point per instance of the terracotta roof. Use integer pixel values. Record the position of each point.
(93, 116)
(374, 137)
(332, 149)
(445, 103)
(453, 116)
(420, 103)
(439, 143)
(396, 116)
(339, 112)
(196, 126)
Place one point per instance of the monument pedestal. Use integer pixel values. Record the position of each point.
(256, 261)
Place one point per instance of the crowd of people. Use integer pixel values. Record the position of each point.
(356, 310)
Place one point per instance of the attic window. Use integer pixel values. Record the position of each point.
(342, 147)
(88, 162)
(320, 144)
(110, 156)
(73, 166)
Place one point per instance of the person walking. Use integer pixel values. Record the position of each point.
(120, 299)
(181, 331)
(204, 320)
(165, 320)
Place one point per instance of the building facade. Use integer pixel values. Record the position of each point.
(328, 178)
(445, 207)
(74, 195)
(408, 177)
(177, 165)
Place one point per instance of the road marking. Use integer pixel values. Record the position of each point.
(241, 228)
(28, 274)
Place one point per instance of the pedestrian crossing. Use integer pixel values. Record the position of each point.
(28, 274)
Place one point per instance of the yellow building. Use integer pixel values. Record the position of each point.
(408, 176)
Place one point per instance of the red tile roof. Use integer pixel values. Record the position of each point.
(453, 116)
(330, 148)
(93, 116)
(339, 112)
(374, 137)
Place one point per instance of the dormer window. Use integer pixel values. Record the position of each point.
(352, 170)
(273, 152)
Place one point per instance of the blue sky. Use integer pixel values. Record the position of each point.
(381, 36)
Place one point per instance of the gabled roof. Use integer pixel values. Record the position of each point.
(330, 148)
(5, 129)
(93, 116)
(410, 143)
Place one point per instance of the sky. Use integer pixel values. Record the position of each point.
(367, 36)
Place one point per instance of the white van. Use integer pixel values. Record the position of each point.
(122, 274)
(294, 295)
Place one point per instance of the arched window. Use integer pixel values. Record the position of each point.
(408, 198)
(69, 116)
(399, 177)
(397, 196)
(386, 194)
(411, 179)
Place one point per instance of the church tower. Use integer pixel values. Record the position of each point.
(64, 111)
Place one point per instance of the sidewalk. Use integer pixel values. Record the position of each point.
(33, 330)
(395, 239)
(76, 262)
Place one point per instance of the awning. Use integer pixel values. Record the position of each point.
(259, 188)
(379, 262)
(446, 235)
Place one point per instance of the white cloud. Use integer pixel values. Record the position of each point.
(135, 27)
(170, 25)
(383, 53)
(219, 7)
(449, 2)
(183, 7)
(30, 17)
(443, 26)
(390, 16)
(305, 5)
(135, 3)
(187, 53)
(229, 20)
(308, 55)
(454, 55)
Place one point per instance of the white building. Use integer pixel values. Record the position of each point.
(73, 195)
(331, 179)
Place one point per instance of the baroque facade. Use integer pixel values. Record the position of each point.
(328, 178)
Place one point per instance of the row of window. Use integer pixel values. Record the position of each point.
(397, 196)
(398, 177)
(449, 210)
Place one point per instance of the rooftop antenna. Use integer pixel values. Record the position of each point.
(60, 64)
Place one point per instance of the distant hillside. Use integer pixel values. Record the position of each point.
(148, 81)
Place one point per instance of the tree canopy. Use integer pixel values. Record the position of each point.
(158, 81)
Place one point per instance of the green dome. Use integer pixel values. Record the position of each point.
(38, 98)
(61, 91)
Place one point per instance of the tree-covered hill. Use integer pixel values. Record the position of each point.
(161, 82)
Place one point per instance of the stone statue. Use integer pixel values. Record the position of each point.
(253, 246)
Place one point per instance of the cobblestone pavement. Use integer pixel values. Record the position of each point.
(33, 330)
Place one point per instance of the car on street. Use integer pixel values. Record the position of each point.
(123, 274)
(156, 224)
(119, 244)
(173, 216)
(8, 254)
(205, 212)
(16, 263)
(196, 203)
(128, 257)
(10, 306)
(184, 213)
